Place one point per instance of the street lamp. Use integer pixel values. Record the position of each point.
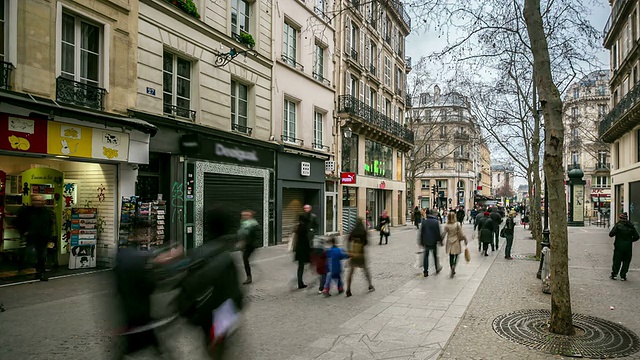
(347, 132)
(546, 242)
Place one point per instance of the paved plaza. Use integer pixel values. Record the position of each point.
(407, 317)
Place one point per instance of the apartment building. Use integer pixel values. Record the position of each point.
(370, 77)
(585, 105)
(621, 126)
(484, 174)
(449, 141)
(502, 181)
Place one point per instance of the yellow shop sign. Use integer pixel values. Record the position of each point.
(69, 140)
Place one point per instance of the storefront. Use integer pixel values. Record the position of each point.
(75, 163)
(197, 168)
(300, 180)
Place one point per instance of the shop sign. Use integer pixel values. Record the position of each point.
(578, 203)
(23, 134)
(383, 185)
(305, 168)
(479, 188)
(110, 145)
(348, 178)
(70, 140)
(234, 153)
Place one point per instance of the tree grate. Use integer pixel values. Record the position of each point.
(595, 338)
(531, 257)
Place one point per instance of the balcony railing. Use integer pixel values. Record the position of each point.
(293, 140)
(407, 61)
(613, 17)
(241, 129)
(352, 106)
(612, 119)
(79, 94)
(321, 78)
(603, 166)
(322, 14)
(292, 62)
(178, 111)
(573, 166)
(461, 136)
(5, 75)
(354, 54)
(319, 146)
(402, 13)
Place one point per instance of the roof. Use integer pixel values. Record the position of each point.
(591, 78)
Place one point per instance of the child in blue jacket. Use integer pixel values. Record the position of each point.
(335, 255)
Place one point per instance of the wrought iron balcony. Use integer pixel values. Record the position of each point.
(178, 111)
(292, 62)
(321, 79)
(293, 140)
(5, 75)
(407, 62)
(461, 136)
(354, 54)
(350, 105)
(401, 12)
(319, 146)
(79, 94)
(615, 11)
(603, 166)
(573, 166)
(241, 129)
(322, 14)
(622, 118)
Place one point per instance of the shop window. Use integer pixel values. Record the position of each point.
(378, 160)
(240, 16)
(289, 126)
(350, 154)
(239, 107)
(318, 120)
(289, 46)
(176, 86)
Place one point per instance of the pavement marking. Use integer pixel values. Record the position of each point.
(56, 277)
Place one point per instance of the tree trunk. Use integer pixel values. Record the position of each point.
(561, 317)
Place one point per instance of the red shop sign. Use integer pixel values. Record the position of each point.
(23, 134)
(348, 177)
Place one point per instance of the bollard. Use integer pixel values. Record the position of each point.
(546, 271)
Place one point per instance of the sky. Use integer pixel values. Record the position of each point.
(424, 43)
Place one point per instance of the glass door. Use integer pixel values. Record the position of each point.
(330, 219)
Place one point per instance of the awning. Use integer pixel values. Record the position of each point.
(49, 106)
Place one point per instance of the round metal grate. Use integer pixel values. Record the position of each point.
(531, 257)
(595, 338)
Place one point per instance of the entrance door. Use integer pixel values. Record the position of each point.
(331, 213)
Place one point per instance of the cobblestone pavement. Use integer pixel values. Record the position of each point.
(512, 285)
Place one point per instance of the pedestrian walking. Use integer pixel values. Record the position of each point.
(474, 213)
(417, 216)
(248, 236)
(508, 232)
(625, 235)
(429, 237)
(460, 215)
(335, 255)
(496, 219)
(302, 246)
(356, 245)
(480, 219)
(384, 223)
(454, 235)
(36, 225)
(486, 233)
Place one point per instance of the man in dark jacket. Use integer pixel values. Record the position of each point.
(626, 234)
(460, 215)
(249, 239)
(428, 237)
(497, 220)
(480, 220)
(417, 216)
(36, 223)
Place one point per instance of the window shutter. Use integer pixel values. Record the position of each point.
(379, 102)
(361, 36)
(367, 99)
(347, 36)
(361, 89)
(366, 53)
(347, 83)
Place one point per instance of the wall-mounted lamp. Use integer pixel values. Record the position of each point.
(347, 132)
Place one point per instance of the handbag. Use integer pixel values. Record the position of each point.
(467, 254)
(502, 235)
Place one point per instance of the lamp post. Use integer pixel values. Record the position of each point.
(546, 241)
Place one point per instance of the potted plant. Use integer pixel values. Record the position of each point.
(246, 39)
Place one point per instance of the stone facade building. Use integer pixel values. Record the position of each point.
(448, 140)
(484, 174)
(585, 105)
(502, 179)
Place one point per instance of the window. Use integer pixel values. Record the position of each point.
(239, 105)
(396, 79)
(460, 150)
(239, 16)
(427, 115)
(600, 181)
(443, 131)
(602, 110)
(350, 154)
(427, 149)
(442, 184)
(372, 98)
(378, 160)
(289, 129)
(575, 158)
(176, 85)
(80, 50)
(387, 71)
(318, 62)
(373, 55)
(424, 184)
(574, 112)
(441, 165)
(574, 134)
(289, 46)
(601, 90)
(387, 108)
(429, 165)
(603, 156)
(354, 39)
(317, 130)
(354, 87)
(498, 178)
(576, 92)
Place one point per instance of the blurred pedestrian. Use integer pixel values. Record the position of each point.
(454, 235)
(625, 234)
(486, 233)
(460, 215)
(480, 219)
(417, 216)
(496, 219)
(428, 237)
(248, 234)
(508, 231)
(384, 224)
(474, 213)
(356, 245)
(36, 225)
(335, 255)
(302, 246)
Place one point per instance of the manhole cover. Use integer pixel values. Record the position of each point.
(524, 257)
(595, 338)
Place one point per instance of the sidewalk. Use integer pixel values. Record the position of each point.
(414, 322)
(512, 285)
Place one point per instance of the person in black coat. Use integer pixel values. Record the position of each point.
(384, 223)
(486, 233)
(36, 223)
(496, 220)
(303, 246)
(428, 237)
(248, 235)
(626, 234)
(460, 215)
(417, 216)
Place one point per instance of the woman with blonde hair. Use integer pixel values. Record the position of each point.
(454, 235)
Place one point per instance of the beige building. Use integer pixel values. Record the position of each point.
(68, 81)
(447, 139)
(621, 126)
(502, 182)
(370, 79)
(484, 175)
(586, 103)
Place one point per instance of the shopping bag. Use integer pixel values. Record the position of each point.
(291, 247)
(419, 259)
(467, 254)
